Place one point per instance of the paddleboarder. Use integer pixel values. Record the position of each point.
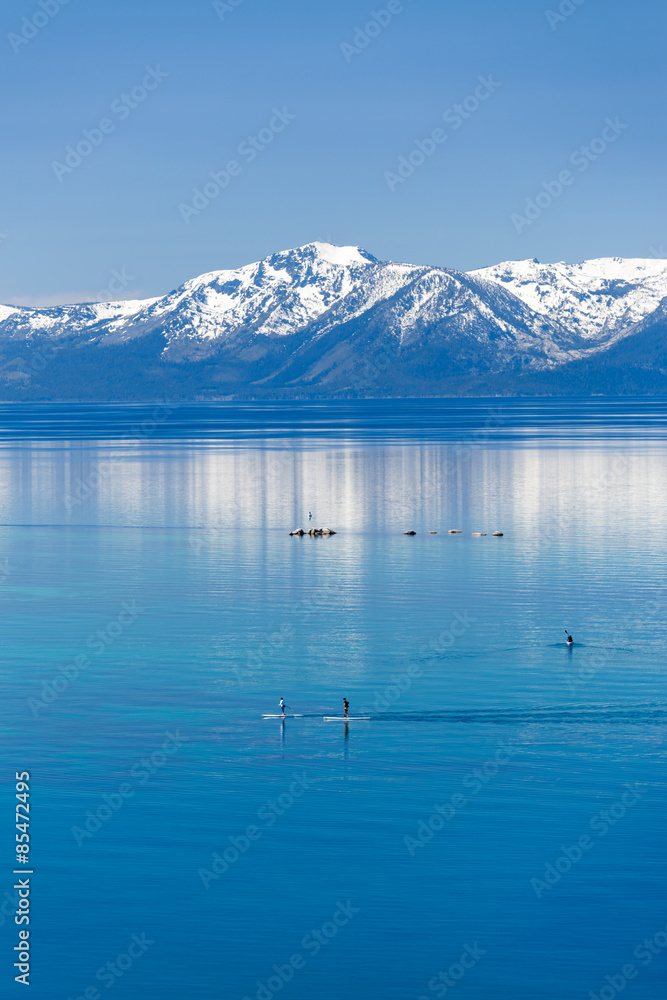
(282, 706)
(346, 706)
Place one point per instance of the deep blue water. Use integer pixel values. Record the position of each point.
(178, 522)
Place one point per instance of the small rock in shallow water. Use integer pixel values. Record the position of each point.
(299, 531)
(453, 531)
(409, 532)
(497, 534)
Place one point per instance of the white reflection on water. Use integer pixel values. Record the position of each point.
(525, 490)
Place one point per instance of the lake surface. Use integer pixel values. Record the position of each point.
(500, 820)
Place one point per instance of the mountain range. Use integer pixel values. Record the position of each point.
(323, 321)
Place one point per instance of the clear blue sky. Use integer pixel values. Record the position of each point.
(323, 176)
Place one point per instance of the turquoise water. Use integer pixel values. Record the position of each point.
(505, 805)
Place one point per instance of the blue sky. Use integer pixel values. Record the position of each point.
(339, 109)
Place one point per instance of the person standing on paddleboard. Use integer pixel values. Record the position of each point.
(346, 706)
(282, 706)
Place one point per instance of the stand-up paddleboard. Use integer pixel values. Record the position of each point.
(282, 716)
(341, 718)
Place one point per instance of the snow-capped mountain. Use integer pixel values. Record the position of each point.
(273, 297)
(596, 299)
(332, 320)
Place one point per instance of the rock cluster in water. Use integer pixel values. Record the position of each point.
(313, 532)
(457, 531)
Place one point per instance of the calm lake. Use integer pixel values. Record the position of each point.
(496, 829)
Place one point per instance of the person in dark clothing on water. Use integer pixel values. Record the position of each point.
(346, 706)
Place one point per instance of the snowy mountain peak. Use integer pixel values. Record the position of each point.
(279, 295)
(340, 256)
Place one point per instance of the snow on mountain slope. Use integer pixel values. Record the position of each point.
(598, 299)
(24, 322)
(429, 298)
(437, 324)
